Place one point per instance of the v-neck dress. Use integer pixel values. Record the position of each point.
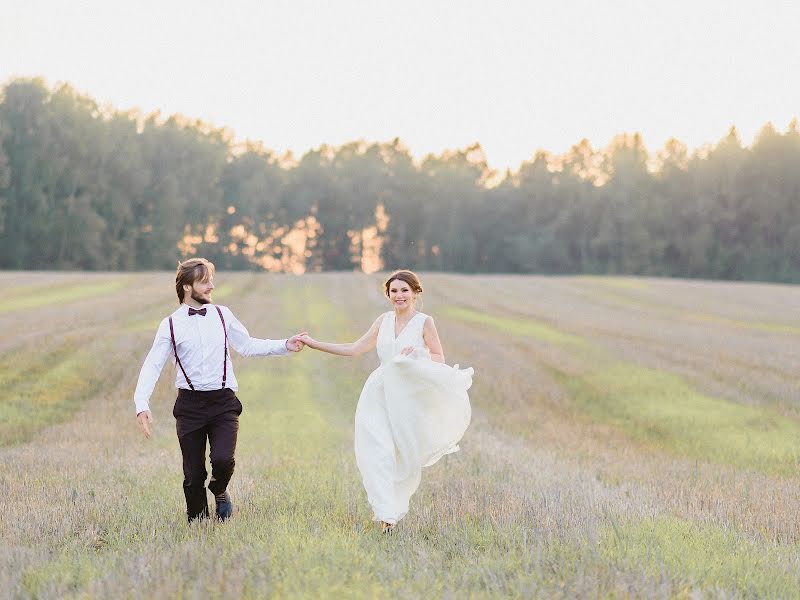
(411, 412)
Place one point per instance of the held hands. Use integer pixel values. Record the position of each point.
(296, 342)
(144, 418)
(307, 339)
(407, 351)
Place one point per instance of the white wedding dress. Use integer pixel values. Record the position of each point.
(412, 411)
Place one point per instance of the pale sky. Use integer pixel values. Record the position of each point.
(516, 76)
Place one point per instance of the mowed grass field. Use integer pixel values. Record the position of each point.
(630, 438)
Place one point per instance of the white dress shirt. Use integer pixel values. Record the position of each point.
(201, 347)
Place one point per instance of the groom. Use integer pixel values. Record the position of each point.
(197, 336)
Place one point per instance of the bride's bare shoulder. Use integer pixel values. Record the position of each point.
(377, 322)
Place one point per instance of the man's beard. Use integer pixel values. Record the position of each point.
(199, 299)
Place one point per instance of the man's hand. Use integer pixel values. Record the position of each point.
(295, 343)
(144, 418)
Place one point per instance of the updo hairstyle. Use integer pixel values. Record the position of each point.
(406, 276)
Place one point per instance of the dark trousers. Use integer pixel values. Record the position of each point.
(212, 415)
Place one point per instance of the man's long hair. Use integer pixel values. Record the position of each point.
(189, 271)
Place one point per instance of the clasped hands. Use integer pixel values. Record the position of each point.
(295, 343)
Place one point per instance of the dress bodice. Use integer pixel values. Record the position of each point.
(389, 345)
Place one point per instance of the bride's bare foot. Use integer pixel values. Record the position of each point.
(387, 528)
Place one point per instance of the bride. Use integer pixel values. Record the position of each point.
(413, 409)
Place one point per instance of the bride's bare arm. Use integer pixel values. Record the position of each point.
(431, 338)
(363, 344)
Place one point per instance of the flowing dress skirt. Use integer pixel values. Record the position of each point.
(411, 412)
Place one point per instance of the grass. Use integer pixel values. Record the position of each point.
(662, 410)
(37, 298)
(656, 487)
(615, 282)
(44, 390)
(656, 304)
(705, 556)
(515, 326)
(739, 324)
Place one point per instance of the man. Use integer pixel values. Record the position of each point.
(198, 335)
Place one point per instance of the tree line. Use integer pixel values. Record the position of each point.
(84, 186)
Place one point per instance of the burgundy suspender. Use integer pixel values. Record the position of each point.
(224, 359)
(175, 350)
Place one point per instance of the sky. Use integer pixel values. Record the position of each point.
(516, 76)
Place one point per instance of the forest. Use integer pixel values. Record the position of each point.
(91, 187)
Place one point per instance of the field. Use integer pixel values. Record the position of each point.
(630, 438)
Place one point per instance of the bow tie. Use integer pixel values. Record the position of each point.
(201, 312)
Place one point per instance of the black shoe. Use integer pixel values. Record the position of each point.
(224, 506)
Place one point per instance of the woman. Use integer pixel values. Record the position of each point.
(413, 409)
